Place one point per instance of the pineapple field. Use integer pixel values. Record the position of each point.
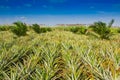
(59, 53)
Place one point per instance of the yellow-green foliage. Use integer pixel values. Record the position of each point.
(4, 27)
(58, 55)
(19, 28)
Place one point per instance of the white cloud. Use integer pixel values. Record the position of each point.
(22, 17)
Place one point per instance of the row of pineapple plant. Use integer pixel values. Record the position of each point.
(58, 55)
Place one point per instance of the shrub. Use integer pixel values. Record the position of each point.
(36, 28)
(19, 28)
(39, 29)
(82, 30)
(118, 30)
(4, 28)
(78, 30)
(102, 29)
(74, 29)
(45, 29)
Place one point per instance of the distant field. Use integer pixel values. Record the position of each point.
(59, 55)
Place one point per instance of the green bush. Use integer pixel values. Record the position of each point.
(4, 28)
(74, 29)
(78, 30)
(45, 29)
(82, 30)
(19, 28)
(39, 29)
(36, 28)
(102, 29)
(118, 30)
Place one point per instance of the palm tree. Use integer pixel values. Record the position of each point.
(36, 28)
(102, 29)
(19, 28)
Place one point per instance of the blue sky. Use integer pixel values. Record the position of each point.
(59, 11)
